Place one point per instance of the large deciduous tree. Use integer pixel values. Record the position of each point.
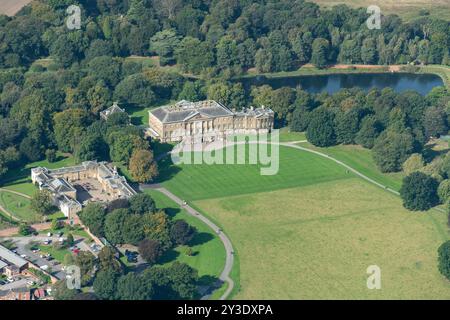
(142, 166)
(320, 130)
(419, 192)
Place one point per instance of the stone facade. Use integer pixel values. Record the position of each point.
(60, 184)
(206, 121)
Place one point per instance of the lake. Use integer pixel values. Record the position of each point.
(422, 83)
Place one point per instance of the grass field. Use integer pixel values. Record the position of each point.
(19, 206)
(194, 182)
(209, 253)
(407, 9)
(316, 242)
(311, 231)
(361, 159)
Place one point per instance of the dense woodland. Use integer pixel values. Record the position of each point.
(52, 106)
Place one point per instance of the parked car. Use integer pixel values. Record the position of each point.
(44, 267)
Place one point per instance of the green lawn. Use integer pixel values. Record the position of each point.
(297, 168)
(289, 136)
(311, 231)
(209, 253)
(19, 206)
(361, 159)
(58, 255)
(316, 242)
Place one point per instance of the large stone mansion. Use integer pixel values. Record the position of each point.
(72, 187)
(206, 121)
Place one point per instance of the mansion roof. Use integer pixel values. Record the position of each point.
(185, 110)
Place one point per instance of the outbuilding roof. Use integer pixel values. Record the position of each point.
(11, 257)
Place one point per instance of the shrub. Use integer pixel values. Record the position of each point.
(444, 190)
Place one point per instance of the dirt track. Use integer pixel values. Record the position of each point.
(11, 7)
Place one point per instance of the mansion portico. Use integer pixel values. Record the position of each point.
(206, 121)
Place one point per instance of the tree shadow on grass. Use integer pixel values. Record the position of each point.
(429, 154)
(201, 238)
(167, 170)
(169, 256)
(172, 212)
(208, 280)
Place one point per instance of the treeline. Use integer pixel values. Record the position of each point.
(219, 37)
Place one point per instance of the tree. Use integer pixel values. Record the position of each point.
(132, 229)
(114, 223)
(142, 167)
(181, 232)
(444, 259)
(369, 51)
(93, 217)
(68, 127)
(434, 121)
(320, 52)
(320, 130)
(164, 44)
(419, 192)
(369, 132)
(98, 97)
(42, 202)
(32, 149)
(194, 55)
(62, 292)
(25, 229)
(105, 284)
(150, 250)
(191, 91)
(135, 90)
(347, 125)
(91, 148)
(414, 163)
(85, 260)
(391, 149)
(142, 203)
(183, 280)
(132, 286)
(106, 69)
(157, 227)
(107, 260)
(123, 146)
(50, 155)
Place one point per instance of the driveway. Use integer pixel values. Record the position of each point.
(225, 275)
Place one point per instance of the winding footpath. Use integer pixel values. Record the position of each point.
(225, 275)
